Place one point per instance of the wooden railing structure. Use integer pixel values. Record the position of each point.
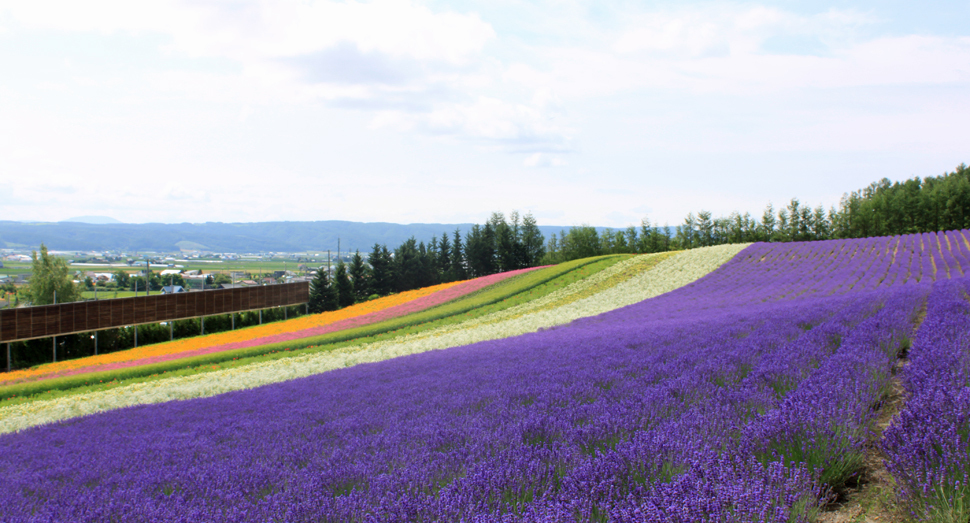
(48, 321)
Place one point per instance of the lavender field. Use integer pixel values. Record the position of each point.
(748, 395)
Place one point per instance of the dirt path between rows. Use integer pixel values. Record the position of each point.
(872, 496)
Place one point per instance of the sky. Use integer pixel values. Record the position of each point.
(600, 113)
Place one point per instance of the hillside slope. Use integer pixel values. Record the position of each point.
(742, 395)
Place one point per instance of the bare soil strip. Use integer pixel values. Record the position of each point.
(873, 497)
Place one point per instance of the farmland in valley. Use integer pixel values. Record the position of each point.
(732, 383)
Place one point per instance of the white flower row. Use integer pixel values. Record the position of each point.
(675, 271)
(569, 293)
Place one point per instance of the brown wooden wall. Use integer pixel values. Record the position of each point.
(68, 318)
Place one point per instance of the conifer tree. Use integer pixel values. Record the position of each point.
(427, 264)
(358, 275)
(480, 250)
(458, 261)
(444, 259)
(381, 279)
(323, 296)
(391, 277)
(344, 287)
(407, 266)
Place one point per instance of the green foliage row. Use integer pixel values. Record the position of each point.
(504, 294)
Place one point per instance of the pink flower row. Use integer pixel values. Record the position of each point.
(411, 307)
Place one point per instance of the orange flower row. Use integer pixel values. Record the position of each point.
(222, 338)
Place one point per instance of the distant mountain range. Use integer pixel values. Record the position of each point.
(110, 235)
(92, 219)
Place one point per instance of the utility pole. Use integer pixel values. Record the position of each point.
(54, 339)
(148, 270)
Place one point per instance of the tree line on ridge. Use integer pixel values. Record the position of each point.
(884, 208)
(500, 244)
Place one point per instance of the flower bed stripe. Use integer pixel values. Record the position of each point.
(928, 444)
(667, 275)
(354, 316)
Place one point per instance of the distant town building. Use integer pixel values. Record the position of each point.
(172, 289)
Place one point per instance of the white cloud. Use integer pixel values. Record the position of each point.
(275, 42)
(490, 121)
(415, 68)
(270, 29)
(722, 50)
(543, 160)
(219, 97)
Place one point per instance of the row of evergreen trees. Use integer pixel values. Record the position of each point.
(500, 244)
(883, 208)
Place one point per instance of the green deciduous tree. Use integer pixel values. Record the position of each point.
(579, 242)
(122, 279)
(533, 242)
(50, 275)
(766, 229)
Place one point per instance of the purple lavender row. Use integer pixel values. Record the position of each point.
(636, 415)
(701, 445)
(928, 445)
(824, 424)
(821, 426)
(371, 431)
(796, 270)
(535, 433)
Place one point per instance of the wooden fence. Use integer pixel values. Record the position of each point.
(55, 320)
